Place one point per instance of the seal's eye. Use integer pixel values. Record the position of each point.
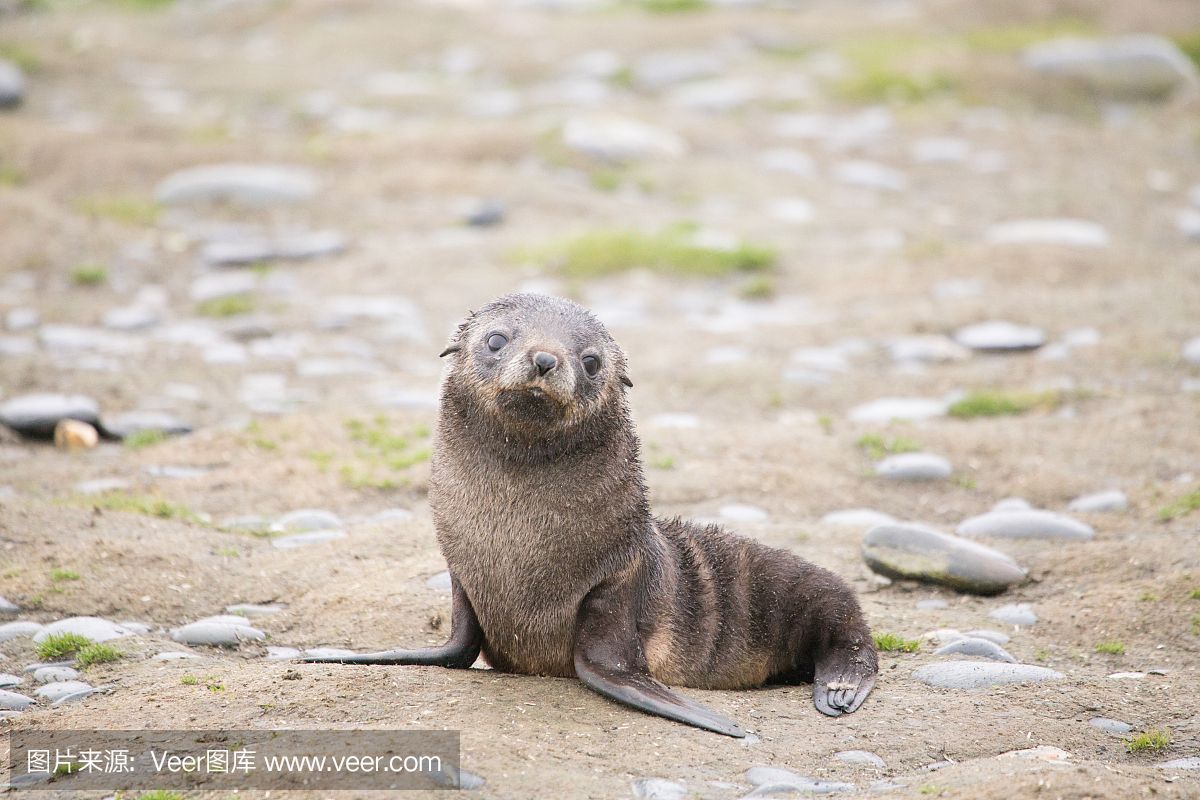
(496, 341)
(591, 364)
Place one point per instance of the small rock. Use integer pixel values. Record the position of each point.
(307, 519)
(222, 631)
(282, 653)
(1109, 501)
(773, 780)
(887, 409)
(15, 630)
(991, 636)
(289, 246)
(914, 467)
(133, 422)
(12, 84)
(919, 553)
(933, 604)
(620, 140)
(870, 175)
(1138, 65)
(1026, 525)
(132, 318)
(860, 758)
(71, 434)
(981, 674)
(1114, 726)
(658, 789)
(101, 485)
(253, 610)
(926, 349)
(94, 628)
(1060, 232)
(36, 415)
(659, 70)
(7, 680)
(244, 184)
(998, 336)
(1191, 763)
(22, 319)
(1015, 614)
(54, 674)
(440, 582)
(328, 652)
(302, 539)
(740, 512)
(865, 518)
(982, 648)
(484, 214)
(173, 655)
(940, 150)
(12, 701)
(8, 607)
(1043, 752)
(1191, 350)
(1127, 676)
(53, 692)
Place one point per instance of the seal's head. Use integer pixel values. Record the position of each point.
(536, 363)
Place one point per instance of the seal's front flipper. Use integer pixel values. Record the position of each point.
(460, 652)
(843, 680)
(610, 660)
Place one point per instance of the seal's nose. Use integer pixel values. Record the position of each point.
(544, 362)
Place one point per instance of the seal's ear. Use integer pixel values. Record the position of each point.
(454, 348)
(456, 338)
(625, 380)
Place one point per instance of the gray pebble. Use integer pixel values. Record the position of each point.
(1056, 232)
(307, 519)
(131, 422)
(253, 609)
(94, 628)
(101, 485)
(932, 604)
(1191, 350)
(8, 607)
(12, 84)
(658, 789)
(244, 184)
(916, 552)
(620, 140)
(282, 653)
(132, 318)
(982, 648)
(860, 758)
(22, 319)
(1015, 614)
(293, 246)
(1114, 726)
(864, 518)
(1182, 763)
(57, 690)
(981, 674)
(914, 467)
(173, 655)
(55, 674)
(7, 680)
(1112, 500)
(304, 539)
(1139, 65)
(887, 409)
(998, 336)
(1026, 525)
(328, 652)
(218, 631)
(991, 636)
(35, 415)
(484, 214)
(440, 581)
(12, 701)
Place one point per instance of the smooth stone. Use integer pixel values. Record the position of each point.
(215, 286)
(914, 467)
(1127, 676)
(94, 628)
(54, 674)
(8, 680)
(217, 633)
(1055, 232)
(22, 319)
(999, 336)
(36, 415)
(1043, 752)
(14, 630)
(870, 175)
(131, 318)
(887, 409)
(253, 609)
(293, 246)
(914, 552)
(307, 519)
(934, 604)
(53, 692)
(774, 780)
(12, 84)
(1114, 726)
(245, 184)
(619, 139)
(303, 539)
(940, 150)
(1139, 64)
(740, 512)
(328, 652)
(658, 789)
(1032, 524)
(173, 655)
(1012, 504)
(1015, 614)
(926, 349)
(8, 607)
(1110, 501)
(440, 582)
(991, 636)
(131, 422)
(981, 648)
(101, 485)
(658, 70)
(861, 758)
(175, 471)
(791, 210)
(981, 674)
(865, 518)
(788, 160)
(282, 653)
(75, 697)
(13, 701)
(1191, 350)
(484, 214)
(1190, 763)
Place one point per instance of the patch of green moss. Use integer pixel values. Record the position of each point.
(1016, 37)
(1189, 43)
(89, 275)
(760, 287)
(1112, 648)
(1002, 403)
(139, 439)
(160, 794)
(1194, 594)
(673, 251)
(60, 575)
(1154, 741)
(876, 446)
(140, 504)
(25, 59)
(606, 179)
(891, 643)
(892, 69)
(230, 306)
(1184, 505)
(97, 653)
(126, 210)
(57, 646)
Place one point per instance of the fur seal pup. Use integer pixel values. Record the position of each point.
(558, 567)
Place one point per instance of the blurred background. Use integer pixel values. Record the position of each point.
(235, 234)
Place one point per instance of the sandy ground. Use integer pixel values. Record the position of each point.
(119, 97)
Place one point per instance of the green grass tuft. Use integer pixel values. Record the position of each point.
(1013, 38)
(139, 439)
(759, 287)
(126, 210)
(1001, 403)
(1184, 505)
(1151, 741)
(1194, 594)
(60, 575)
(606, 252)
(160, 794)
(1111, 648)
(140, 504)
(26, 60)
(89, 275)
(230, 306)
(57, 646)
(891, 643)
(876, 447)
(1189, 43)
(97, 653)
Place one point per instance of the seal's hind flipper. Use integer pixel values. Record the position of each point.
(460, 652)
(609, 659)
(842, 682)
